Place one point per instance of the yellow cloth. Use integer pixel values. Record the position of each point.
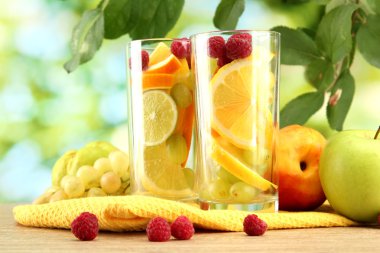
(132, 213)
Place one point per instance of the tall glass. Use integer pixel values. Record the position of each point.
(236, 75)
(161, 116)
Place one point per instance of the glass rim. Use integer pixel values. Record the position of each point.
(253, 32)
(150, 40)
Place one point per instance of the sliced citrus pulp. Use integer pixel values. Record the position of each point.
(160, 116)
(237, 114)
(167, 66)
(162, 176)
(160, 53)
(185, 125)
(157, 81)
(238, 169)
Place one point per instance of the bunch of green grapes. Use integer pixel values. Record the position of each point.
(229, 188)
(106, 176)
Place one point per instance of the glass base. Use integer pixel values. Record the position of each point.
(263, 207)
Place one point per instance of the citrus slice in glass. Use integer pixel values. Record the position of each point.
(160, 53)
(237, 114)
(160, 117)
(239, 169)
(169, 65)
(157, 81)
(162, 176)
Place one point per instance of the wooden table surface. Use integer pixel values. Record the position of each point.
(17, 238)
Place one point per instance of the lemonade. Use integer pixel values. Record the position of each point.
(237, 115)
(161, 110)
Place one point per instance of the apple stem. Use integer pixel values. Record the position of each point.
(377, 133)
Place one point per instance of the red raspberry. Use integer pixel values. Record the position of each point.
(144, 59)
(245, 36)
(85, 227)
(238, 48)
(181, 48)
(223, 60)
(253, 225)
(182, 228)
(216, 46)
(158, 230)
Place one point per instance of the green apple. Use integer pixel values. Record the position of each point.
(350, 174)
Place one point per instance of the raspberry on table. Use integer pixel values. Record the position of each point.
(85, 227)
(245, 36)
(182, 228)
(181, 48)
(158, 230)
(254, 226)
(237, 48)
(216, 46)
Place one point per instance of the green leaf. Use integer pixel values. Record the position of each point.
(322, 2)
(295, 1)
(227, 14)
(297, 48)
(300, 109)
(157, 18)
(120, 16)
(368, 40)
(334, 32)
(86, 39)
(320, 73)
(335, 3)
(336, 113)
(374, 5)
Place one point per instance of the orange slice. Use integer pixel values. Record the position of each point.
(160, 53)
(239, 170)
(238, 113)
(168, 66)
(157, 81)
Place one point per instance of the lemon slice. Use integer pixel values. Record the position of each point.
(162, 176)
(239, 113)
(160, 53)
(239, 170)
(160, 117)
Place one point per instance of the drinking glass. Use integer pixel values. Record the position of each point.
(161, 116)
(237, 76)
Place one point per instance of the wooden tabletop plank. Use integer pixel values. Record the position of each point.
(17, 238)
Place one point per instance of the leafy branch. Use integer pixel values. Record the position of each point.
(326, 53)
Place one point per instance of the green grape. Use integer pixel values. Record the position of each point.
(120, 164)
(102, 165)
(96, 192)
(64, 179)
(177, 148)
(189, 174)
(89, 176)
(226, 176)
(110, 182)
(73, 187)
(242, 192)
(181, 95)
(220, 189)
(58, 195)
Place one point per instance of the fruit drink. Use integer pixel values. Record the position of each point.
(161, 116)
(236, 77)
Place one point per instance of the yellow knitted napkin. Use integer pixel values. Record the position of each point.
(132, 213)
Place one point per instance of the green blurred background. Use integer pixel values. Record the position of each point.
(44, 111)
